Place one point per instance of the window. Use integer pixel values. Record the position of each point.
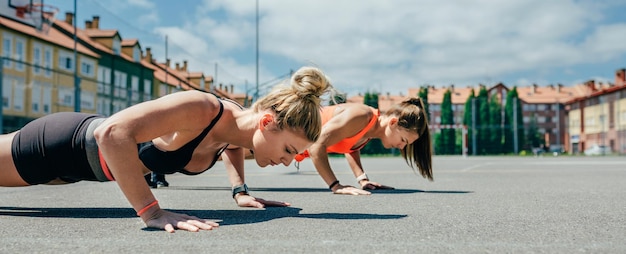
(20, 47)
(590, 121)
(134, 89)
(87, 100)
(104, 80)
(36, 59)
(87, 67)
(35, 97)
(147, 90)
(66, 61)
(541, 119)
(7, 49)
(66, 96)
(46, 99)
(137, 53)
(47, 61)
(7, 91)
(162, 89)
(116, 45)
(18, 94)
(541, 107)
(118, 106)
(103, 106)
(119, 84)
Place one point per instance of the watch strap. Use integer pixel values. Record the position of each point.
(239, 189)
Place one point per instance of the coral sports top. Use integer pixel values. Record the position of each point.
(346, 144)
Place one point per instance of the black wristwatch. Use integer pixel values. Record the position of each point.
(239, 189)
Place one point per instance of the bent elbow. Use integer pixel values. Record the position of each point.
(108, 134)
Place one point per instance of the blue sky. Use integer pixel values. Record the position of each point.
(383, 46)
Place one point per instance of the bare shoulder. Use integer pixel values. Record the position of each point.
(353, 113)
(192, 103)
(348, 119)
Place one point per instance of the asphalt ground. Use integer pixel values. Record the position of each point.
(475, 205)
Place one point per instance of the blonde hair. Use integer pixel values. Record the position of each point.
(412, 116)
(298, 105)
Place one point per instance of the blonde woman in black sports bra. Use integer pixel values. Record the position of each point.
(182, 132)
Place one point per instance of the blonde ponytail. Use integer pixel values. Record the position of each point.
(298, 105)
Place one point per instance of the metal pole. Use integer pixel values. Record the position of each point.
(76, 78)
(1, 96)
(464, 141)
(256, 94)
(515, 146)
(215, 79)
(166, 57)
(474, 126)
(558, 124)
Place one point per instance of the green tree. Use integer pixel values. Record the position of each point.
(468, 119)
(511, 120)
(446, 138)
(371, 99)
(338, 98)
(375, 146)
(483, 126)
(533, 136)
(495, 121)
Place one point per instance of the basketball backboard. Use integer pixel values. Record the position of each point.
(31, 12)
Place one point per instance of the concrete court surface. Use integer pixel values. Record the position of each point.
(475, 205)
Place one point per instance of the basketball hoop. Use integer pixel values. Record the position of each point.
(42, 15)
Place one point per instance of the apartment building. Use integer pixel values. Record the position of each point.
(123, 79)
(38, 72)
(597, 117)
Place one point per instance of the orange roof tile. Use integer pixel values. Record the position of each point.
(82, 36)
(53, 36)
(545, 94)
(129, 42)
(195, 74)
(101, 33)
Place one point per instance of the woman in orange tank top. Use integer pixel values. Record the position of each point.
(348, 127)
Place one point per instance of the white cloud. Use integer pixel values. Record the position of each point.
(395, 44)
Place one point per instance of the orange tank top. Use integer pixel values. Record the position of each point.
(346, 144)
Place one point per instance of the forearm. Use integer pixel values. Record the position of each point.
(354, 160)
(123, 162)
(319, 156)
(234, 161)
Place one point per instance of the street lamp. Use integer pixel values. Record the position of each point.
(256, 95)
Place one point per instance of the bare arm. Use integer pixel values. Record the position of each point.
(234, 160)
(348, 120)
(354, 160)
(119, 135)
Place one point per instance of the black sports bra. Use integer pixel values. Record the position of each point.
(169, 162)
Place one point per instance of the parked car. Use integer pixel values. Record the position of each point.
(598, 150)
